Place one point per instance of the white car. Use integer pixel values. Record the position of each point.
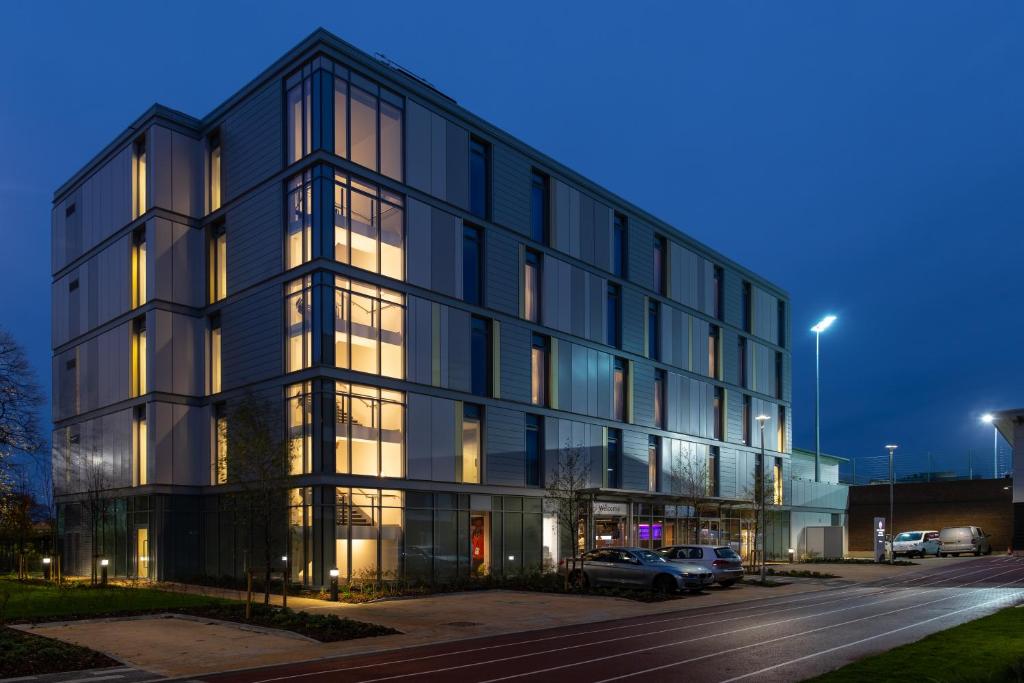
(722, 561)
(916, 543)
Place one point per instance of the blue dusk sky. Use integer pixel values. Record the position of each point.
(868, 157)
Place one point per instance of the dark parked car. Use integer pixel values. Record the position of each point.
(639, 568)
(722, 561)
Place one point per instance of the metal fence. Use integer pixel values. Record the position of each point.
(923, 467)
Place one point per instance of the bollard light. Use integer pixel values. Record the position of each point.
(791, 554)
(104, 563)
(46, 569)
(46, 560)
(334, 584)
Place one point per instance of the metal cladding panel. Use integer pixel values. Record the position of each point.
(734, 417)
(442, 251)
(634, 316)
(579, 290)
(699, 339)
(419, 450)
(417, 146)
(727, 472)
(515, 362)
(457, 166)
(418, 244)
(252, 142)
(641, 253)
(604, 386)
(580, 376)
(191, 458)
(252, 332)
(564, 377)
(505, 453)
(438, 154)
(597, 321)
(419, 340)
(766, 315)
(643, 394)
(733, 304)
(501, 256)
(511, 189)
(442, 439)
(255, 238)
(635, 473)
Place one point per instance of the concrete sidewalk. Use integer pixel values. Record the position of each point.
(178, 647)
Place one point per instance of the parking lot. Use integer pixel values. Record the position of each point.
(785, 638)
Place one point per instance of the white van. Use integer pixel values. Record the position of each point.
(919, 543)
(957, 540)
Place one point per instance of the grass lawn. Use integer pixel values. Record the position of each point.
(24, 654)
(989, 650)
(37, 601)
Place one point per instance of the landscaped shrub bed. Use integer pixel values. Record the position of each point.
(327, 628)
(24, 654)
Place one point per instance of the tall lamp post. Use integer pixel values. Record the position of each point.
(990, 419)
(820, 327)
(892, 514)
(761, 419)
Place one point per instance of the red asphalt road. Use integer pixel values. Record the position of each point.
(788, 638)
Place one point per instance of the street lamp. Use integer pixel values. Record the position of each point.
(761, 419)
(990, 419)
(892, 514)
(818, 328)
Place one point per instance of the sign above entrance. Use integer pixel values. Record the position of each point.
(611, 509)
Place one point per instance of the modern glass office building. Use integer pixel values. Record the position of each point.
(437, 310)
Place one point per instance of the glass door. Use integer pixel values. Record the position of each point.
(142, 552)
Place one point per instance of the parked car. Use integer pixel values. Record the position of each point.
(916, 543)
(957, 540)
(639, 568)
(720, 560)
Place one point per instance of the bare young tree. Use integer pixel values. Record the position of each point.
(565, 495)
(20, 398)
(688, 477)
(761, 494)
(96, 481)
(258, 463)
(17, 509)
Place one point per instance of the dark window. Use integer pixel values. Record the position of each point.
(70, 211)
(747, 305)
(660, 258)
(619, 380)
(534, 439)
(719, 285)
(778, 374)
(741, 361)
(713, 471)
(619, 246)
(782, 323)
(539, 208)
(653, 447)
(531, 286)
(480, 354)
(718, 413)
(653, 329)
(747, 420)
(71, 364)
(73, 285)
(614, 331)
(659, 398)
(614, 473)
(539, 370)
(472, 259)
(479, 177)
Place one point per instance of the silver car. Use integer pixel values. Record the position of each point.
(639, 568)
(920, 543)
(957, 540)
(721, 560)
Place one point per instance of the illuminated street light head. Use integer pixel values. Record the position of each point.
(762, 418)
(987, 418)
(891, 446)
(824, 324)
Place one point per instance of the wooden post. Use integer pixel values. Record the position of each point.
(248, 596)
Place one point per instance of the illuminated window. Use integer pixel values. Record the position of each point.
(215, 338)
(369, 431)
(220, 441)
(619, 389)
(713, 351)
(369, 227)
(781, 430)
(777, 481)
(140, 447)
(139, 267)
(213, 144)
(217, 286)
(539, 370)
(300, 116)
(479, 177)
(469, 465)
(139, 380)
(298, 306)
(299, 412)
(369, 328)
(531, 286)
(660, 266)
(660, 383)
(534, 448)
(299, 232)
(539, 207)
(139, 178)
(368, 124)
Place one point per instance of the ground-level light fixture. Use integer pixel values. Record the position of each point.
(46, 560)
(334, 584)
(104, 563)
(46, 568)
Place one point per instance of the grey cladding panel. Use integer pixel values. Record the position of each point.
(504, 454)
(511, 189)
(515, 362)
(255, 238)
(252, 138)
(634, 461)
(634, 315)
(417, 146)
(252, 332)
(501, 254)
(457, 166)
